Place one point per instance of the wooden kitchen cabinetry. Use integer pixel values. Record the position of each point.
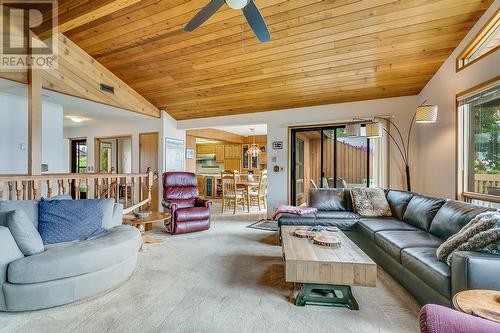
(232, 151)
(219, 154)
(232, 164)
(205, 149)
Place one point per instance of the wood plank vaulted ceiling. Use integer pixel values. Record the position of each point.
(321, 52)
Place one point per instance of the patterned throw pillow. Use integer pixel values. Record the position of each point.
(69, 220)
(370, 202)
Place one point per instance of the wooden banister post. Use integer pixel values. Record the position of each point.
(149, 181)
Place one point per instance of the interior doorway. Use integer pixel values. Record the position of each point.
(113, 154)
(79, 163)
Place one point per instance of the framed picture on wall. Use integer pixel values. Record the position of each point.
(174, 154)
(189, 153)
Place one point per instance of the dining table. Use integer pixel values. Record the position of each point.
(246, 185)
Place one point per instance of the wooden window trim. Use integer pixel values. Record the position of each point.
(460, 193)
(477, 41)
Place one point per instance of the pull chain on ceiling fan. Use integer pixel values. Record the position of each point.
(250, 11)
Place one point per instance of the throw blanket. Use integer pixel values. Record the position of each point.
(292, 210)
(482, 233)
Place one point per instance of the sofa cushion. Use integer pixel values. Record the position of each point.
(452, 217)
(192, 214)
(329, 199)
(422, 262)
(293, 219)
(394, 241)
(421, 211)
(30, 207)
(398, 201)
(369, 226)
(69, 259)
(322, 214)
(68, 220)
(24, 232)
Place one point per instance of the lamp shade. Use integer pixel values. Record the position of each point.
(353, 130)
(373, 130)
(426, 114)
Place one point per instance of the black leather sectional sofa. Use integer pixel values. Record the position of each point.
(405, 244)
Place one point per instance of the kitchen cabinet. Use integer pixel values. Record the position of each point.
(232, 151)
(219, 154)
(232, 164)
(205, 149)
(263, 158)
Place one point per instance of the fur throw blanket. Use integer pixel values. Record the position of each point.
(481, 233)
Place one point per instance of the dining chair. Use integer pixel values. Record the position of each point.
(259, 194)
(231, 195)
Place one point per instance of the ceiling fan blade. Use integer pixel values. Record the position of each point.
(256, 22)
(203, 15)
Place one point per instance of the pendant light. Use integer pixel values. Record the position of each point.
(253, 151)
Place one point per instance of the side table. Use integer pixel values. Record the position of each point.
(140, 224)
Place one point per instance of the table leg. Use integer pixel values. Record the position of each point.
(248, 200)
(327, 295)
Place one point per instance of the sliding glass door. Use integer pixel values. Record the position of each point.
(326, 158)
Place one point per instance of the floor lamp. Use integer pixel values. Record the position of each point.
(424, 114)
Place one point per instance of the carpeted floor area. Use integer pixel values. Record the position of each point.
(228, 279)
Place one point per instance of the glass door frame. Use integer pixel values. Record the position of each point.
(321, 129)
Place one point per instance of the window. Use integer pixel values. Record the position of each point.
(485, 42)
(479, 145)
(325, 157)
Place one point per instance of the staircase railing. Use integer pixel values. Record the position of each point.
(129, 188)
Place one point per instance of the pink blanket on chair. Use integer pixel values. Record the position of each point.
(292, 210)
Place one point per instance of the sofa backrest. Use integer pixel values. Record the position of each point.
(421, 210)
(112, 212)
(453, 216)
(330, 199)
(398, 201)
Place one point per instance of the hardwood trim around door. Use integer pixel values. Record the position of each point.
(149, 144)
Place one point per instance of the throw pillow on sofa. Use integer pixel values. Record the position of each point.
(370, 202)
(482, 233)
(23, 231)
(69, 220)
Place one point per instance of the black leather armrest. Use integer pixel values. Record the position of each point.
(474, 270)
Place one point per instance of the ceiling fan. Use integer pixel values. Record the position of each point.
(250, 10)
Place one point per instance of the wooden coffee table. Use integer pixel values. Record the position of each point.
(140, 223)
(327, 274)
(481, 303)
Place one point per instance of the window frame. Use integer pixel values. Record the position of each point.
(461, 149)
(483, 34)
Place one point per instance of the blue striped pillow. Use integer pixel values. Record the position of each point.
(69, 220)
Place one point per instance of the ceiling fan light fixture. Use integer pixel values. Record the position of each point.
(237, 4)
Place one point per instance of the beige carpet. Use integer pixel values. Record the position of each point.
(228, 279)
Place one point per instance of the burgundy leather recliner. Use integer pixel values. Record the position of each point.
(188, 212)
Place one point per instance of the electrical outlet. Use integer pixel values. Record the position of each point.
(23, 146)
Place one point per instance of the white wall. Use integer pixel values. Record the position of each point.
(14, 132)
(278, 122)
(436, 172)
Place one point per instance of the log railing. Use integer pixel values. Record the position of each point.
(128, 189)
